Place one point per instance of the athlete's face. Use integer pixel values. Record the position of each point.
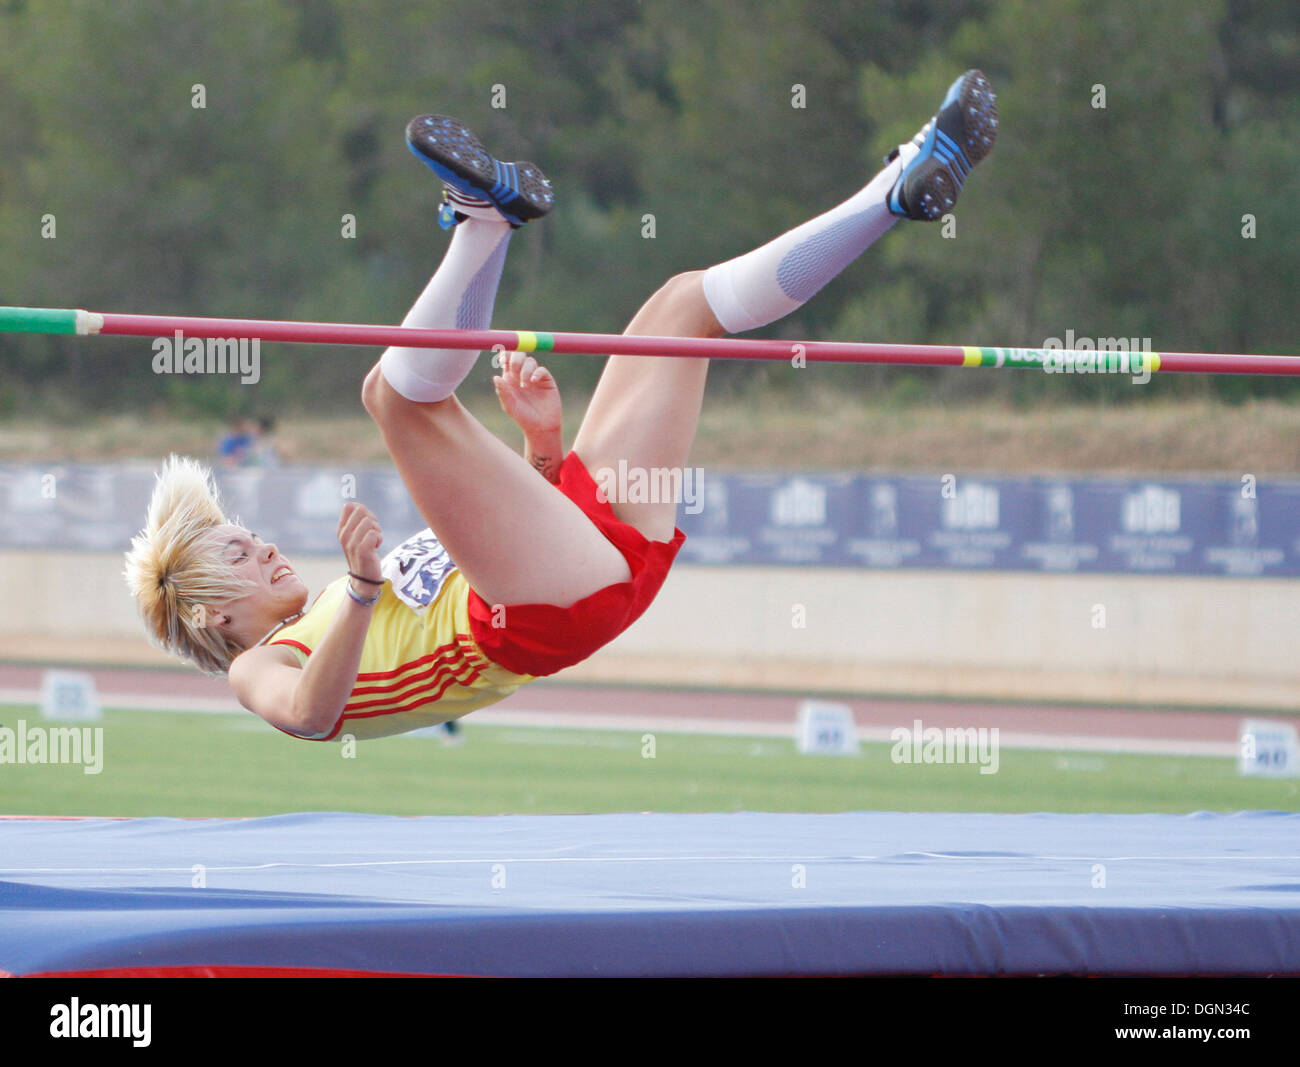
(276, 590)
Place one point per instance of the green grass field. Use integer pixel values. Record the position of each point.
(155, 763)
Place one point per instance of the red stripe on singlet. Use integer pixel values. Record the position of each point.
(449, 655)
(426, 695)
(374, 676)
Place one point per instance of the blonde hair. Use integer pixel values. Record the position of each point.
(175, 572)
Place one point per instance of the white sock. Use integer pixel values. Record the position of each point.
(770, 282)
(459, 296)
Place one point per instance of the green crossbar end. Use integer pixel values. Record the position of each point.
(48, 320)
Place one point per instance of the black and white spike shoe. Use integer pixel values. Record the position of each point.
(473, 177)
(951, 143)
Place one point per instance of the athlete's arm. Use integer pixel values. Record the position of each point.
(308, 701)
(265, 680)
(529, 395)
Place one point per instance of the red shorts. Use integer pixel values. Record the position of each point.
(540, 639)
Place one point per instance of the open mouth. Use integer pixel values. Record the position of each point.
(282, 572)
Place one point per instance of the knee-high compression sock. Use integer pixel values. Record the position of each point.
(770, 282)
(459, 296)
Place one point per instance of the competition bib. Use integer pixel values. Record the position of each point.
(417, 569)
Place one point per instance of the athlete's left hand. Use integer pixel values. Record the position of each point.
(529, 395)
(360, 536)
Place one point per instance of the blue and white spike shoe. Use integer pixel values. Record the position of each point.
(951, 143)
(475, 180)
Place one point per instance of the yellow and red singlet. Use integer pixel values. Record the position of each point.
(419, 666)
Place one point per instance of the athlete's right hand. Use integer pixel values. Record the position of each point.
(360, 537)
(529, 395)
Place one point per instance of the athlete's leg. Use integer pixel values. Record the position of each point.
(483, 199)
(645, 410)
(516, 539)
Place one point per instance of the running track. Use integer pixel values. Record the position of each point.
(552, 703)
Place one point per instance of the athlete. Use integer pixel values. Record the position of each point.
(526, 567)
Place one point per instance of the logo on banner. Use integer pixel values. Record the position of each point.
(971, 507)
(1060, 513)
(714, 519)
(884, 512)
(1152, 510)
(1058, 550)
(801, 503)
(1245, 522)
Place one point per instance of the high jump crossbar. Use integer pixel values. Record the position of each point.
(1060, 360)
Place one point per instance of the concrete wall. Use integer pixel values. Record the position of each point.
(1192, 641)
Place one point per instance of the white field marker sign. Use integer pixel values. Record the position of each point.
(69, 696)
(1268, 749)
(826, 729)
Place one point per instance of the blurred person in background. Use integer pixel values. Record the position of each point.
(264, 451)
(237, 442)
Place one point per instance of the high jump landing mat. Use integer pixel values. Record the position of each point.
(653, 894)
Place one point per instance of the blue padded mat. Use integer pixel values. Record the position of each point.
(653, 894)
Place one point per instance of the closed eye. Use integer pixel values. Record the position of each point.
(241, 546)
